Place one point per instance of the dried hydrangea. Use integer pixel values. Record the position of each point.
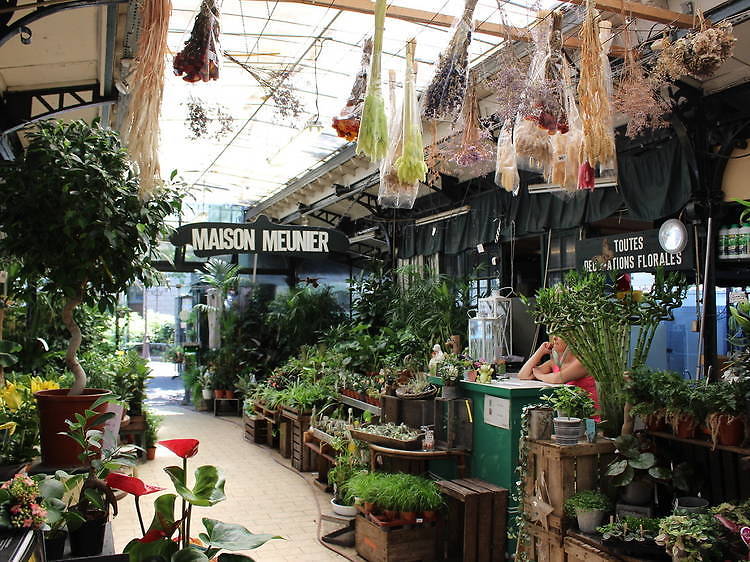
(636, 98)
(698, 54)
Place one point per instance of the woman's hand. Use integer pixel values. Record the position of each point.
(528, 371)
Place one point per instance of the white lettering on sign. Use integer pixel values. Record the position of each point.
(295, 241)
(224, 239)
(629, 244)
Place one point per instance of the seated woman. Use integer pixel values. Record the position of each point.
(567, 370)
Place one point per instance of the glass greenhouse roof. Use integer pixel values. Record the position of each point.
(259, 152)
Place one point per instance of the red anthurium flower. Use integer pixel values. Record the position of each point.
(153, 535)
(130, 484)
(183, 448)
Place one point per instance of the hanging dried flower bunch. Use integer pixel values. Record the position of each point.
(443, 98)
(225, 122)
(506, 169)
(593, 94)
(546, 95)
(436, 157)
(473, 146)
(509, 83)
(347, 123)
(199, 59)
(410, 165)
(636, 98)
(373, 129)
(203, 121)
(277, 86)
(698, 54)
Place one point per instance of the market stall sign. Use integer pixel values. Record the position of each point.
(635, 251)
(259, 237)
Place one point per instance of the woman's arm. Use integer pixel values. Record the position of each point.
(572, 371)
(527, 371)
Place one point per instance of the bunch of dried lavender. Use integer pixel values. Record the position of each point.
(443, 98)
(225, 122)
(277, 86)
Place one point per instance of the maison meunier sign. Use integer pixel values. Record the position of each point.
(259, 237)
(635, 251)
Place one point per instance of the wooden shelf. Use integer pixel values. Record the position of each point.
(700, 443)
(317, 450)
(354, 403)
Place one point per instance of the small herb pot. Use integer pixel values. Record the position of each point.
(430, 515)
(207, 394)
(229, 394)
(589, 520)
(684, 427)
(731, 430)
(408, 516)
(54, 544)
(471, 376)
(345, 510)
(218, 394)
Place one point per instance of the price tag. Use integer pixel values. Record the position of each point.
(737, 296)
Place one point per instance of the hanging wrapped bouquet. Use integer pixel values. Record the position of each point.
(199, 59)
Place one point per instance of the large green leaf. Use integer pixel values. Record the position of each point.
(231, 536)
(189, 554)
(617, 468)
(660, 473)
(7, 346)
(164, 514)
(643, 461)
(625, 478)
(162, 550)
(208, 489)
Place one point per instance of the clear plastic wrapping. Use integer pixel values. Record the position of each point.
(347, 122)
(410, 165)
(199, 59)
(372, 138)
(506, 168)
(547, 92)
(443, 98)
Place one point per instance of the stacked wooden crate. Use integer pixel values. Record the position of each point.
(255, 428)
(397, 543)
(554, 473)
(298, 422)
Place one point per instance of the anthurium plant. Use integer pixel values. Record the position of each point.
(168, 537)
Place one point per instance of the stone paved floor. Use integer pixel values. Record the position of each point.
(263, 494)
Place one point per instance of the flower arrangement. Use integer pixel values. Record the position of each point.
(19, 503)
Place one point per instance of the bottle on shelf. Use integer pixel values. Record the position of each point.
(732, 239)
(743, 244)
(723, 241)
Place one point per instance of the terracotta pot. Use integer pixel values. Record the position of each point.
(390, 514)
(430, 515)
(472, 376)
(408, 516)
(655, 423)
(55, 406)
(684, 427)
(731, 430)
(218, 394)
(229, 394)
(369, 507)
(150, 453)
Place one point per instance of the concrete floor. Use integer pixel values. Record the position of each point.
(263, 493)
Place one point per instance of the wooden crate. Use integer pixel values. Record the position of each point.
(579, 551)
(416, 413)
(256, 428)
(476, 528)
(299, 423)
(285, 443)
(407, 543)
(542, 545)
(566, 470)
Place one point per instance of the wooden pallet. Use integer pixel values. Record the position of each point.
(256, 428)
(407, 543)
(566, 470)
(477, 520)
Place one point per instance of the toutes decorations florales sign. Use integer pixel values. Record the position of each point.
(635, 251)
(259, 237)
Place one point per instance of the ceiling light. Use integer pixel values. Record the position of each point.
(443, 216)
(557, 188)
(367, 234)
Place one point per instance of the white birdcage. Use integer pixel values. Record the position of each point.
(490, 337)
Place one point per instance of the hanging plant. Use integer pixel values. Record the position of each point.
(636, 98)
(593, 93)
(473, 145)
(347, 123)
(548, 92)
(410, 166)
(699, 54)
(373, 129)
(199, 59)
(277, 87)
(443, 98)
(510, 82)
(201, 119)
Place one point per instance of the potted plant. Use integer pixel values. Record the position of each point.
(684, 407)
(346, 467)
(57, 492)
(153, 423)
(205, 381)
(633, 536)
(589, 507)
(74, 218)
(645, 394)
(635, 471)
(572, 404)
(95, 497)
(691, 538)
(725, 403)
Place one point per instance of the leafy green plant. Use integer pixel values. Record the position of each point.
(571, 401)
(73, 217)
(396, 492)
(633, 463)
(724, 401)
(645, 390)
(58, 492)
(153, 423)
(631, 529)
(392, 430)
(691, 538)
(587, 500)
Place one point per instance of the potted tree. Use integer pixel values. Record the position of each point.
(73, 216)
(589, 508)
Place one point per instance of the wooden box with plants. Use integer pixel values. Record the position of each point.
(79, 222)
(405, 543)
(577, 550)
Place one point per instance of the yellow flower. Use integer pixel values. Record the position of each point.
(38, 384)
(119, 352)
(10, 426)
(11, 397)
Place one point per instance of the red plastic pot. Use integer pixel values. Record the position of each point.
(390, 515)
(218, 394)
(229, 394)
(430, 515)
(55, 406)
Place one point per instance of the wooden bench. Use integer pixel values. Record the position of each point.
(477, 520)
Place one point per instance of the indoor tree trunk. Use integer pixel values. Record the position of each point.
(71, 360)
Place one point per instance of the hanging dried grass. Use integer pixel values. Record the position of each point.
(141, 125)
(636, 98)
(593, 95)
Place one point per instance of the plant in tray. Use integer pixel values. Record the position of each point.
(633, 536)
(589, 507)
(691, 538)
(635, 470)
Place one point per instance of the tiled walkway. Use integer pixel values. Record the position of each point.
(262, 494)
